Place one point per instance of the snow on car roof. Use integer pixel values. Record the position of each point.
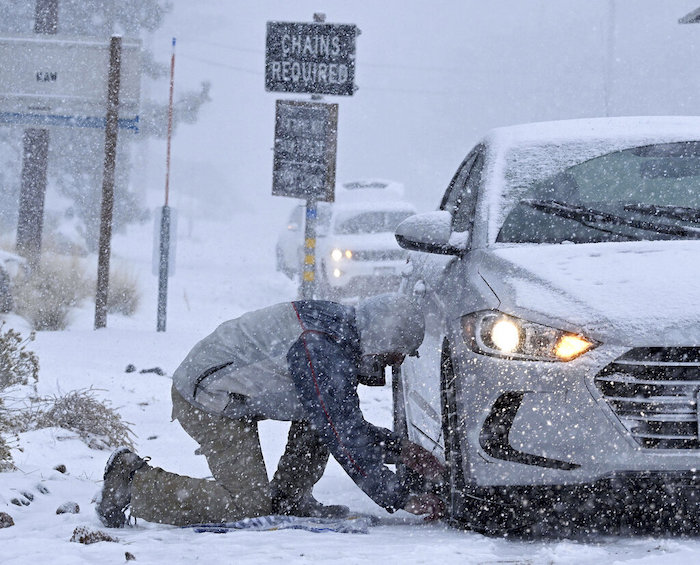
(373, 184)
(630, 128)
(521, 154)
(371, 189)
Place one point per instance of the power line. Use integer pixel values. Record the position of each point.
(229, 47)
(411, 67)
(224, 65)
(373, 65)
(364, 88)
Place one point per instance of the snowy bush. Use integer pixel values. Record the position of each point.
(5, 455)
(45, 296)
(80, 412)
(18, 366)
(124, 295)
(6, 425)
(94, 421)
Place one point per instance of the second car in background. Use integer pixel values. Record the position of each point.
(356, 251)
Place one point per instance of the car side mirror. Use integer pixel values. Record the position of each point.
(430, 232)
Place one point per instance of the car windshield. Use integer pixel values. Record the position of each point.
(374, 221)
(643, 193)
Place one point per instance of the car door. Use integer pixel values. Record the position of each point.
(426, 279)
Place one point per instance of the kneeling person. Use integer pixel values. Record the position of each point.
(296, 361)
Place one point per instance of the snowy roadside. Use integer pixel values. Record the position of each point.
(214, 283)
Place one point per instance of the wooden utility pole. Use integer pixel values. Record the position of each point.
(32, 194)
(111, 129)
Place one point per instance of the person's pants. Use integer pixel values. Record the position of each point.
(240, 488)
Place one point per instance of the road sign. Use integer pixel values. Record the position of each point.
(305, 147)
(311, 58)
(50, 81)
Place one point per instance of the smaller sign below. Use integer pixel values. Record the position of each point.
(305, 150)
(310, 58)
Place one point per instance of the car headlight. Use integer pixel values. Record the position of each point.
(338, 254)
(494, 333)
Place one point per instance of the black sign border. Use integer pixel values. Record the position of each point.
(274, 30)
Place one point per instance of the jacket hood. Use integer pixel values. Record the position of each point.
(644, 292)
(389, 323)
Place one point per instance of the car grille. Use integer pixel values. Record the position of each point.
(654, 392)
(379, 255)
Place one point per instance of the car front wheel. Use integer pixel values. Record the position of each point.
(468, 507)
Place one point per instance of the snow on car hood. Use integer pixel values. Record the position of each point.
(636, 293)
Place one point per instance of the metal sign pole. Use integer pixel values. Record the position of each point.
(163, 249)
(165, 216)
(111, 129)
(308, 278)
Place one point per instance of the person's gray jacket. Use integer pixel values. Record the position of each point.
(298, 361)
(240, 369)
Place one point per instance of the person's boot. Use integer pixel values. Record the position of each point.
(116, 488)
(307, 506)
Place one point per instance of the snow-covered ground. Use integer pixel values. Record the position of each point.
(223, 269)
(413, 123)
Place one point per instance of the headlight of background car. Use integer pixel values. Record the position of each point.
(338, 254)
(494, 333)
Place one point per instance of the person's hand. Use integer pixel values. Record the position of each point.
(421, 461)
(426, 503)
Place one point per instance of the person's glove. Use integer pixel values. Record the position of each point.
(426, 503)
(421, 461)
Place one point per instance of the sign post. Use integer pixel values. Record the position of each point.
(304, 167)
(56, 81)
(314, 58)
(111, 128)
(30, 220)
(35, 158)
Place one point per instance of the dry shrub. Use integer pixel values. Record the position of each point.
(124, 295)
(6, 424)
(95, 422)
(18, 366)
(83, 534)
(45, 296)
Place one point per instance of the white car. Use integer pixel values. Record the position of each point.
(289, 251)
(356, 251)
(560, 373)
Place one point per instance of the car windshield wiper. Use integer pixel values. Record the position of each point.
(590, 217)
(682, 213)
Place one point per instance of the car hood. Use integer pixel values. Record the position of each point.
(636, 293)
(382, 240)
